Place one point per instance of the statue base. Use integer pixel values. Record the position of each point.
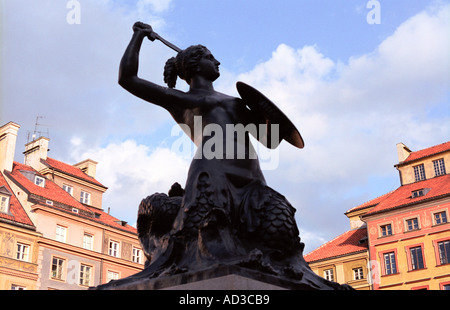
(219, 277)
(216, 249)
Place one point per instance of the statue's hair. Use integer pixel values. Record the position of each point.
(184, 65)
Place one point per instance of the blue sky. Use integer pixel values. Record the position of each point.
(353, 89)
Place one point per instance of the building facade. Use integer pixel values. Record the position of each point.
(19, 248)
(76, 243)
(407, 230)
(343, 259)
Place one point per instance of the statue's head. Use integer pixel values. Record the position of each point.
(196, 59)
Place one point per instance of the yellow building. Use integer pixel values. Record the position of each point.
(408, 230)
(401, 238)
(343, 259)
(54, 233)
(18, 237)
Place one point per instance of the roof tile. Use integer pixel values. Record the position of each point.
(70, 170)
(111, 221)
(16, 211)
(402, 196)
(370, 203)
(427, 152)
(352, 241)
(53, 192)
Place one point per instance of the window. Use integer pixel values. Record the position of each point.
(111, 275)
(439, 167)
(440, 218)
(416, 258)
(85, 275)
(446, 287)
(136, 255)
(15, 287)
(386, 230)
(412, 224)
(444, 252)
(88, 242)
(390, 266)
(68, 189)
(85, 198)
(61, 233)
(4, 204)
(57, 268)
(328, 274)
(113, 248)
(420, 192)
(358, 273)
(22, 252)
(39, 181)
(419, 173)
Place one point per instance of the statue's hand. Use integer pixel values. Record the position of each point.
(145, 29)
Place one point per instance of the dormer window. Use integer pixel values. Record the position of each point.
(439, 167)
(5, 196)
(85, 197)
(4, 204)
(419, 192)
(419, 173)
(68, 189)
(39, 181)
(122, 223)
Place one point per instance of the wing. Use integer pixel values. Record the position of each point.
(273, 125)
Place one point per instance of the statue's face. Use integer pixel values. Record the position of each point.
(208, 66)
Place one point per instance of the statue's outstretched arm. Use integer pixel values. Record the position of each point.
(128, 73)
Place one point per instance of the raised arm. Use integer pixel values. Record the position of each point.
(128, 72)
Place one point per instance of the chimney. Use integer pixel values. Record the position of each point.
(403, 152)
(88, 166)
(8, 137)
(35, 151)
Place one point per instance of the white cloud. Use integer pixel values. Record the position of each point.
(312, 240)
(132, 171)
(70, 71)
(408, 68)
(352, 114)
(158, 6)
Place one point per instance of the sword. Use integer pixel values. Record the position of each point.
(154, 36)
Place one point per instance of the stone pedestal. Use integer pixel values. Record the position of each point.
(219, 277)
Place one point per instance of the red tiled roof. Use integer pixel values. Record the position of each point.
(427, 152)
(352, 241)
(438, 186)
(370, 203)
(53, 192)
(111, 221)
(16, 210)
(70, 170)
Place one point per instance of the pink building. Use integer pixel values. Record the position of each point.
(400, 240)
(79, 244)
(409, 230)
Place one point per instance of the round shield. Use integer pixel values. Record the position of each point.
(270, 114)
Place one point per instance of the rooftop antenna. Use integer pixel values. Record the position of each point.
(38, 133)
